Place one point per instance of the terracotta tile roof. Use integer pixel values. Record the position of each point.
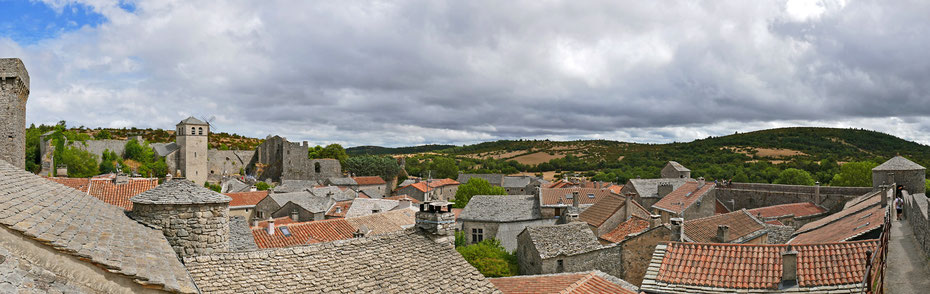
(103, 188)
(564, 196)
(683, 197)
(615, 188)
(743, 227)
(580, 283)
(246, 198)
(402, 197)
(303, 233)
(607, 206)
(340, 208)
(631, 226)
(695, 267)
(432, 184)
(851, 222)
(775, 222)
(801, 209)
(720, 209)
(400, 262)
(371, 180)
(457, 212)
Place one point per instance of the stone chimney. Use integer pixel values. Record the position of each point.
(884, 194)
(121, 179)
(664, 189)
(628, 206)
(723, 233)
(362, 231)
(404, 203)
(817, 193)
(655, 220)
(194, 219)
(436, 221)
(270, 228)
(789, 267)
(14, 91)
(701, 182)
(678, 228)
(295, 216)
(575, 200)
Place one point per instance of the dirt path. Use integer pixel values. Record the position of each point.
(907, 265)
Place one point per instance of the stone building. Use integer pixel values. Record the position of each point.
(793, 214)
(14, 91)
(905, 173)
(581, 282)
(276, 160)
(430, 190)
(862, 218)
(191, 159)
(304, 205)
(501, 217)
(610, 212)
(571, 247)
(194, 219)
(738, 227)
(690, 201)
(225, 163)
(243, 203)
(674, 170)
(514, 185)
(649, 191)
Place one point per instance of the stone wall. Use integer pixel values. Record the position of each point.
(779, 234)
(504, 232)
(226, 162)
(912, 180)
(276, 159)
(637, 252)
(191, 230)
(751, 195)
(14, 91)
(915, 212)
(192, 155)
(705, 207)
(604, 259)
(96, 147)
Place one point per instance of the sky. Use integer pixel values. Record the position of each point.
(402, 73)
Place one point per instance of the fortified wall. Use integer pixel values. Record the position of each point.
(915, 211)
(737, 196)
(14, 91)
(276, 159)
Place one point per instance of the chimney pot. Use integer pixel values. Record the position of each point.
(678, 228)
(723, 233)
(575, 200)
(270, 226)
(655, 220)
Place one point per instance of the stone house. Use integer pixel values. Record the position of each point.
(276, 160)
(370, 184)
(564, 248)
(690, 201)
(862, 218)
(649, 191)
(793, 214)
(593, 281)
(501, 217)
(514, 185)
(674, 170)
(608, 213)
(907, 174)
(243, 203)
(307, 205)
(738, 227)
(431, 190)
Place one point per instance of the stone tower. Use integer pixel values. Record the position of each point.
(194, 219)
(14, 90)
(903, 172)
(191, 137)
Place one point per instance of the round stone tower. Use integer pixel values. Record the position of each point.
(194, 219)
(14, 90)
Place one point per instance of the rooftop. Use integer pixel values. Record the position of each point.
(844, 225)
(399, 262)
(566, 240)
(107, 191)
(501, 208)
(192, 121)
(677, 166)
(564, 196)
(433, 184)
(493, 179)
(369, 180)
(802, 209)
(721, 268)
(179, 191)
(576, 283)
(302, 233)
(608, 206)
(898, 163)
(77, 224)
(246, 198)
(649, 188)
(633, 225)
(743, 227)
(682, 198)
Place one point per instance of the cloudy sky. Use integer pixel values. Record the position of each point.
(399, 73)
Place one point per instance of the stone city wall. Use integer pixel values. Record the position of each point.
(14, 91)
(190, 229)
(915, 212)
(750, 195)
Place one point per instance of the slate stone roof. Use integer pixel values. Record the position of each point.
(341, 181)
(743, 227)
(400, 262)
(802, 209)
(305, 200)
(858, 219)
(576, 283)
(515, 182)
(493, 179)
(78, 224)
(898, 163)
(369, 180)
(246, 198)
(288, 186)
(163, 149)
(682, 198)
(634, 225)
(179, 191)
(104, 189)
(566, 240)
(240, 235)
(564, 196)
(362, 206)
(372, 192)
(677, 166)
(385, 222)
(703, 268)
(649, 188)
(192, 121)
(598, 213)
(501, 208)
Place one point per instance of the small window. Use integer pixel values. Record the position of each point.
(477, 235)
(285, 231)
(568, 196)
(259, 215)
(375, 211)
(317, 167)
(560, 266)
(590, 195)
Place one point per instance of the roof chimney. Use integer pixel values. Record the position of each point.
(362, 231)
(436, 221)
(295, 216)
(575, 201)
(700, 181)
(270, 226)
(678, 228)
(655, 220)
(664, 189)
(789, 267)
(628, 206)
(723, 233)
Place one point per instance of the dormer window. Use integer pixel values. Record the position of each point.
(591, 195)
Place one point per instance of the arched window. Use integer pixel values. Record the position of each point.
(316, 167)
(200, 131)
(193, 130)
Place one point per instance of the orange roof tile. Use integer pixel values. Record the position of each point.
(631, 226)
(606, 207)
(370, 180)
(339, 209)
(864, 216)
(741, 223)
(432, 184)
(246, 198)
(738, 266)
(79, 184)
(103, 188)
(720, 208)
(279, 221)
(801, 209)
(564, 196)
(580, 283)
(683, 197)
(303, 233)
(401, 197)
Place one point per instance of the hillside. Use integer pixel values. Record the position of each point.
(220, 140)
(377, 150)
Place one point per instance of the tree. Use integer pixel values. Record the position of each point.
(109, 161)
(103, 135)
(81, 164)
(490, 258)
(134, 151)
(445, 167)
(262, 186)
(475, 186)
(370, 165)
(333, 151)
(215, 187)
(854, 174)
(793, 176)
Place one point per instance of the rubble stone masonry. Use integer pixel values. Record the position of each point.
(191, 230)
(14, 91)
